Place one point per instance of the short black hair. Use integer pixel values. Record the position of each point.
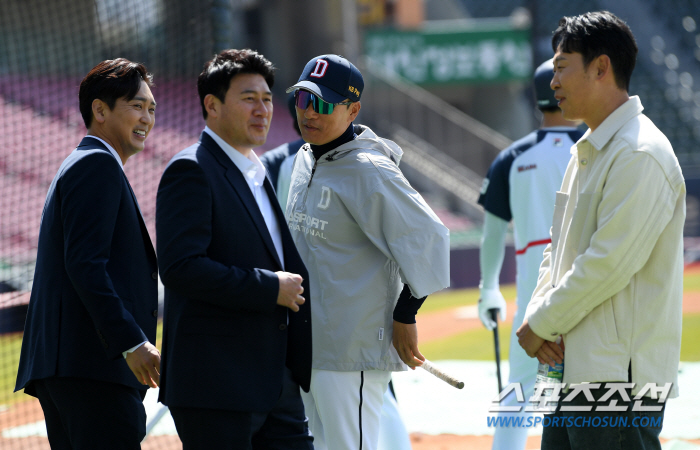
(599, 33)
(108, 81)
(218, 72)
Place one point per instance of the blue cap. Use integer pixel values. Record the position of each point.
(544, 94)
(331, 77)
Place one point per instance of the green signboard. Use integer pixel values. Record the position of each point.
(455, 56)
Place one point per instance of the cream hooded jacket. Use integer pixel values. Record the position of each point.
(611, 280)
(362, 232)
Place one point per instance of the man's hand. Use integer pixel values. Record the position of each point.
(145, 363)
(490, 299)
(405, 342)
(528, 340)
(551, 352)
(290, 291)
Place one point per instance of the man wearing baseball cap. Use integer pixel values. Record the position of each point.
(374, 250)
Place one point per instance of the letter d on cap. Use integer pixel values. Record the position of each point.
(320, 69)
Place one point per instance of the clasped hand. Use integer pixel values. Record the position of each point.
(546, 352)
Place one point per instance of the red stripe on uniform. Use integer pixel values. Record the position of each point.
(533, 244)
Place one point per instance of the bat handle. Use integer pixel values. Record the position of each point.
(427, 365)
(494, 316)
(493, 312)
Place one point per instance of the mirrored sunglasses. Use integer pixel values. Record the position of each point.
(302, 99)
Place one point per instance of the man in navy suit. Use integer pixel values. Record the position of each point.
(88, 352)
(237, 330)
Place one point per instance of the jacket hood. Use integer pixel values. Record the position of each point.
(366, 139)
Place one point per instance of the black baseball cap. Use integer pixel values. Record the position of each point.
(331, 77)
(544, 94)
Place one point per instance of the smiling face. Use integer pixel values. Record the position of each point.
(573, 86)
(243, 118)
(127, 126)
(319, 129)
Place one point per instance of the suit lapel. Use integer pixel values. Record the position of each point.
(91, 143)
(144, 230)
(237, 181)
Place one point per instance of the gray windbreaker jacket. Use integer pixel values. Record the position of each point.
(362, 231)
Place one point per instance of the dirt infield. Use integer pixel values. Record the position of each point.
(454, 442)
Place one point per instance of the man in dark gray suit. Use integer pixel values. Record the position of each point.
(237, 330)
(88, 352)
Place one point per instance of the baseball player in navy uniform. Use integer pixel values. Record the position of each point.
(521, 186)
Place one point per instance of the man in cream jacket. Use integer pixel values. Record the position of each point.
(611, 280)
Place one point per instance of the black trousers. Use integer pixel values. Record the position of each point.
(86, 414)
(285, 427)
(604, 430)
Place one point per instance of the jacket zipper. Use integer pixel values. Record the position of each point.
(313, 171)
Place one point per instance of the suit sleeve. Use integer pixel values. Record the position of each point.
(90, 193)
(184, 234)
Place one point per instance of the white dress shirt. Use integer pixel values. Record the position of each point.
(254, 173)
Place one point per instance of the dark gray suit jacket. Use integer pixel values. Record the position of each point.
(225, 340)
(95, 290)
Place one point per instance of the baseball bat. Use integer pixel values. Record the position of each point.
(427, 365)
(494, 316)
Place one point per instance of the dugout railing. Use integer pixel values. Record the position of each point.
(390, 99)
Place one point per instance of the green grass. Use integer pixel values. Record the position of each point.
(478, 344)
(10, 345)
(690, 340)
(448, 299)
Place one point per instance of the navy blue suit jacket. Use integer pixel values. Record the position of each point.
(95, 290)
(273, 159)
(225, 339)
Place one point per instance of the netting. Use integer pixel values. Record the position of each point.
(46, 48)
